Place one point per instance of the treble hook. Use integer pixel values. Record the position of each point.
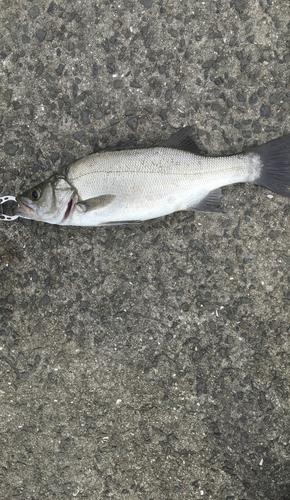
(4, 199)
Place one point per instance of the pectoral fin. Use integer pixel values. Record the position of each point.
(95, 203)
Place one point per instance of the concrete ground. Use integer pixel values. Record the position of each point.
(145, 362)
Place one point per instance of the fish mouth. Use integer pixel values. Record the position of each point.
(24, 209)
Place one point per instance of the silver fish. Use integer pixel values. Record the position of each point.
(133, 185)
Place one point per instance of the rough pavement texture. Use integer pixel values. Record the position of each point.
(148, 362)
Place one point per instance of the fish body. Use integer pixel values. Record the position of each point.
(134, 185)
(150, 183)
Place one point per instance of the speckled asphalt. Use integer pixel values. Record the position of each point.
(145, 362)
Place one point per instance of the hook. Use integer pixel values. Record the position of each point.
(4, 199)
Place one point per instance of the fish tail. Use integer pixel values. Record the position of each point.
(274, 159)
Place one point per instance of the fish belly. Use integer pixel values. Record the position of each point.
(149, 183)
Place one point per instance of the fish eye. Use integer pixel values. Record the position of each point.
(35, 194)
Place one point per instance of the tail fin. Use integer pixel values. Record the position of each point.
(275, 165)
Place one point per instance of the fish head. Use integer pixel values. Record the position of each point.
(50, 201)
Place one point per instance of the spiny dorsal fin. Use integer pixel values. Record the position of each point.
(184, 141)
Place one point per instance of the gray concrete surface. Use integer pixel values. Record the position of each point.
(149, 362)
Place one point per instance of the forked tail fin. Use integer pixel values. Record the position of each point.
(275, 165)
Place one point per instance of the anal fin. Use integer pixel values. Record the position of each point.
(210, 203)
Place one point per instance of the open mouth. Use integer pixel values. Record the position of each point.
(23, 209)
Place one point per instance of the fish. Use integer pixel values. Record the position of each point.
(129, 186)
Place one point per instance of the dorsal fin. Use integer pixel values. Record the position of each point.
(184, 141)
(181, 140)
